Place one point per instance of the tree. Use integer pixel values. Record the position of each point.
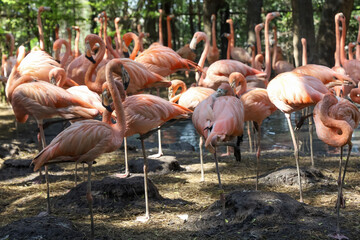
(253, 17)
(303, 27)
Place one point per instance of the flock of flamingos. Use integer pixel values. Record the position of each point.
(224, 95)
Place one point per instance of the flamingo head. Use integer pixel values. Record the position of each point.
(198, 36)
(213, 17)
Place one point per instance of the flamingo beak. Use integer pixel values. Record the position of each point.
(53, 80)
(193, 43)
(88, 54)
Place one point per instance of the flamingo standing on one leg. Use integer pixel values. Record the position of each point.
(335, 120)
(220, 118)
(86, 140)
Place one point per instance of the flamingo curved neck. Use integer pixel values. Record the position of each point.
(258, 41)
(93, 85)
(304, 52)
(115, 91)
(232, 39)
(342, 136)
(177, 84)
(136, 44)
(57, 46)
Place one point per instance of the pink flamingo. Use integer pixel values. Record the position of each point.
(122, 49)
(198, 37)
(144, 113)
(40, 27)
(219, 119)
(164, 61)
(82, 141)
(335, 120)
(77, 40)
(8, 62)
(259, 58)
(290, 92)
(141, 36)
(213, 55)
(168, 27)
(66, 58)
(237, 53)
(161, 41)
(279, 66)
(69, 40)
(351, 46)
(352, 67)
(78, 68)
(128, 38)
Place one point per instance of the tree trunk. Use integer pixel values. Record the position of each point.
(198, 6)
(151, 22)
(191, 18)
(210, 7)
(224, 13)
(326, 36)
(253, 17)
(302, 13)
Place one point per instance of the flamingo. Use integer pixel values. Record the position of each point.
(237, 53)
(219, 119)
(168, 27)
(69, 40)
(257, 107)
(122, 49)
(141, 36)
(164, 61)
(351, 46)
(77, 39)
(259, 58)
(198, 37)
(128, 38)
(8, 62)
(141, 77)
(161, 41)
(335, 120)
(279, 66)
(67, 58)
(78, 68)
(86, 140)
(213, 55)
(40, 28)
(290, 92)
(188, 98)
(352, 67)
(144, 113)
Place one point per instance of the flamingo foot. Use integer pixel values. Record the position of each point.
(142, 219)
(156, 155)
(225, 154)
(338, 236)
(122, 175)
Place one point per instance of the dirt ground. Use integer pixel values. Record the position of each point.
(181, 207)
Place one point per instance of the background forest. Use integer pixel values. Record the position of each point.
(312, 19)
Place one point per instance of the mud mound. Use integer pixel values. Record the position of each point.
(41, 227)
(288, 176)
(162, 165)
(109, 194)
(263, 215)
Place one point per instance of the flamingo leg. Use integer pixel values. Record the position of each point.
(258, 158)
(127, 173)
(43, 142)
(201, 141)
(296, 153)
(90, 199)
(76, 170)
(311, 130)
(147, 213)
(222, 196)
(249, 135)
(160, 153)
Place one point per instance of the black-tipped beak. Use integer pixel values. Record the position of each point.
(91, 59)
(58, 61)
(52, 80)
(126, 54)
